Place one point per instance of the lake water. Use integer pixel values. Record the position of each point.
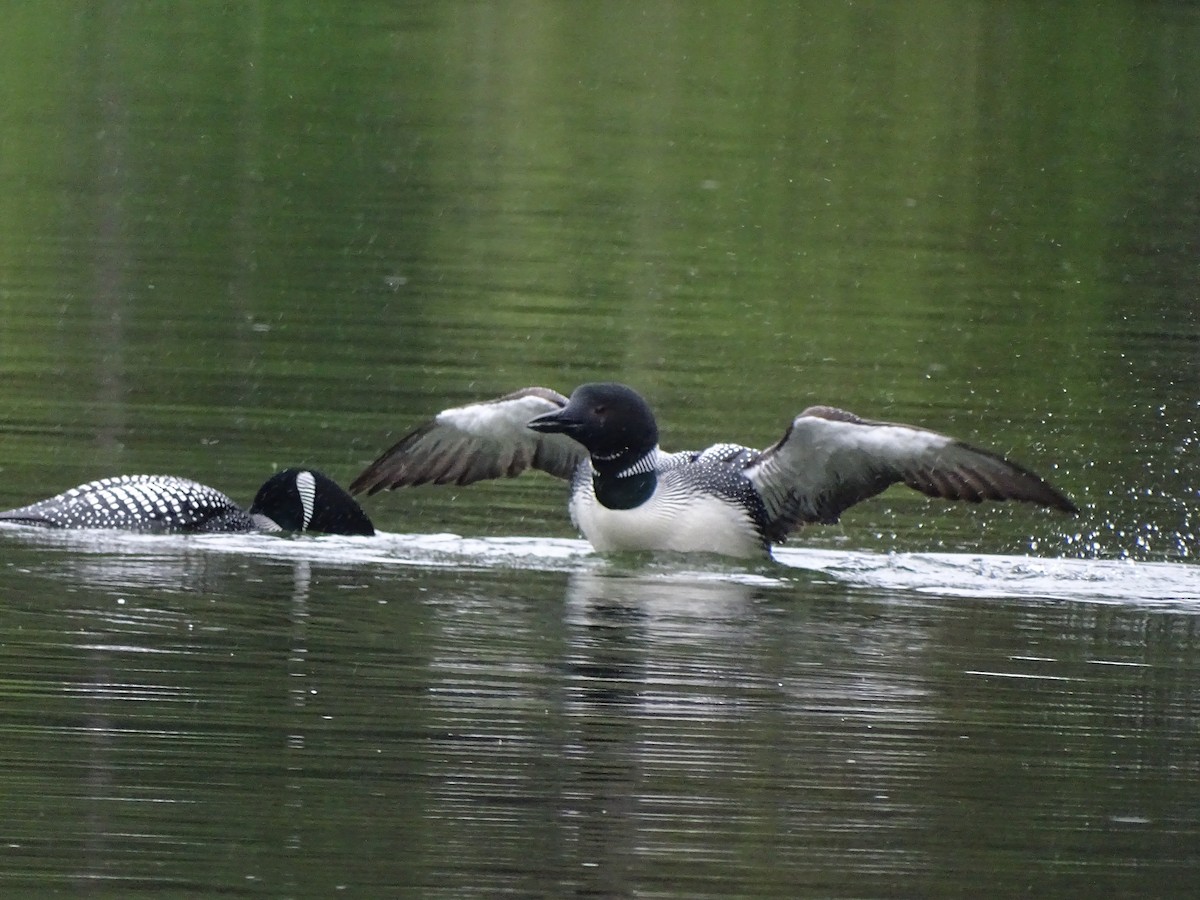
(234, 239)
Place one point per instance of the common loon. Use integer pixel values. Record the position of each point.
(627, 494)
(291, 500)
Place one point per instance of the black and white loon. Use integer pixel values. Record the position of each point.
(627, 494)
(291, 500)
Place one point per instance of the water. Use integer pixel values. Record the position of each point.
(457, 716)
(237, 240)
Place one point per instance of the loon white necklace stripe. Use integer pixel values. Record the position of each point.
(628, 494)
(306, 487)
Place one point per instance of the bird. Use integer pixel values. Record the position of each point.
(627, 494)
(293, 500)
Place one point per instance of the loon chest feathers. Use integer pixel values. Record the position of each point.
(685, 502)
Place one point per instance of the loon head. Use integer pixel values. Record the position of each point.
(611, 420)
(306, 500)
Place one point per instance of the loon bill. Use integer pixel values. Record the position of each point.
(628, 494)
(300, 500)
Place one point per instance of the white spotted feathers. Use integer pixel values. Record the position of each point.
(153, 503)
(293, 500)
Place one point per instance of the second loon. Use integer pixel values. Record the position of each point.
(628, 494)
(301, 500)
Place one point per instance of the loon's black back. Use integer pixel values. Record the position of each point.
(300, 500)
(152, 503)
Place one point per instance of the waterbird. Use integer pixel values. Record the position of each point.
(628, 494)
(295, 500)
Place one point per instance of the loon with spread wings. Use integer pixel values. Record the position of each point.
(628, 494)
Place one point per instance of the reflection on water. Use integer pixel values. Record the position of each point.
(683, 693)
(234, 711)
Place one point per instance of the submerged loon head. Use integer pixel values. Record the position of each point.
(306, 500)
(611, 420)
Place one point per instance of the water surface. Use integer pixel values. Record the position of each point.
(462, 716)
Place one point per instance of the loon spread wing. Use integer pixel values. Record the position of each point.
(830, 459)
(470, 443)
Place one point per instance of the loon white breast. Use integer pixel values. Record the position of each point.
(683, 512)
(291, 500)
(627, 494)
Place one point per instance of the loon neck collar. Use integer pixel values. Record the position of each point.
(624, 491)
(624, 480)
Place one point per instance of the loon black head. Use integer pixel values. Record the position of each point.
(611, 420)
(306, 500)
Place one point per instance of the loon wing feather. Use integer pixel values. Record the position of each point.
(476, 442)
(830, 459)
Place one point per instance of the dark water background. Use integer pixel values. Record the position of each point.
(236, 238)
